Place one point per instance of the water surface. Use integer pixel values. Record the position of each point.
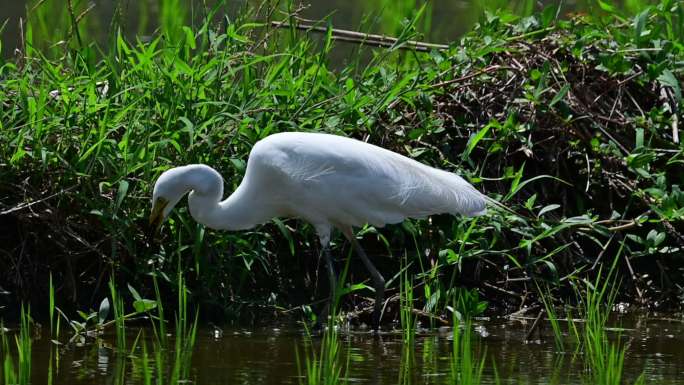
(267, 356)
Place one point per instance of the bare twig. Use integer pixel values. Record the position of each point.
(363, 38)
(29, 204)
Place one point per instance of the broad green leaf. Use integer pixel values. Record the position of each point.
(134, 292)
(640, 21)
(607, 6)
(560, 95)
(547, 209)
(475, 139)
(189, 37)
(144, 305)
(667, 78)
(121, 193)
(103, 312)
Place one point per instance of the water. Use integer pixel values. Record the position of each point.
(267, 356)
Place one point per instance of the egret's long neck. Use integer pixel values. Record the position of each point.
(238, 212)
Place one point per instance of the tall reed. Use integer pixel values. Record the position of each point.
(604, 359)
(24, 345)
(9, 371)
(119, 316)
(325, 365)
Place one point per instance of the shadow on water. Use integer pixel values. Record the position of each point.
(267, 356)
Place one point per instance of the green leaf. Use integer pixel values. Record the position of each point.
(189, 37)
(144, 305)
(134, 292)
(639, 142)
(355, 287)
(475, 139)
(121, 194)
(667, 78)
(239, 164)
(553, 269)
(103, 312)
(639, 23)
(286, 233)
(560, 95)
(547, 209)
(606, 6)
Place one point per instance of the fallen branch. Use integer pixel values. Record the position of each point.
(364, 38)
(29, 204)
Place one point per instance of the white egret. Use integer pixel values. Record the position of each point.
(326, 180)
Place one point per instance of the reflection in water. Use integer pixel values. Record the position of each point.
(266, 356)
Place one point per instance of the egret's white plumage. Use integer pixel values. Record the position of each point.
(324, 179)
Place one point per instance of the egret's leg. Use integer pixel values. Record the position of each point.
(323, 230)
(332, 278)
(378, 280)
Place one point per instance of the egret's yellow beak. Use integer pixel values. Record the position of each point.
(157, 215)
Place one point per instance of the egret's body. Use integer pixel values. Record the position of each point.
(326, 180)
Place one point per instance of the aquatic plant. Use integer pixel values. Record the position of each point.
(8, 369)
(326, 365)
(465, 366)
(185, 335)
(407, 318)
(604, 357)
(550, 310)
(119, 316)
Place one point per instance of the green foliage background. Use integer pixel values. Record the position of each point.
(569, 122)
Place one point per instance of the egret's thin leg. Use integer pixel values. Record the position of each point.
(332, 278)
(378, 280)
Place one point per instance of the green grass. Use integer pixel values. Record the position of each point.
(326, 365)
(119, 316)
(465, 365)
(407, 318)
(558, 337)
(604, 357)
(19, 372)
(9, 371)
(185, 335)
(24, 346)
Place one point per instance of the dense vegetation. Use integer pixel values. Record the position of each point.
(572, 123)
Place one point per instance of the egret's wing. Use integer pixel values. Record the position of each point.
(352, 183)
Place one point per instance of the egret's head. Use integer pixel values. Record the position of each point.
(168, 191)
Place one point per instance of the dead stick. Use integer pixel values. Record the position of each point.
(29, 204)
(470, 76)
(634, 278)
(534, 325)
(675, 128)
(364, 38)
